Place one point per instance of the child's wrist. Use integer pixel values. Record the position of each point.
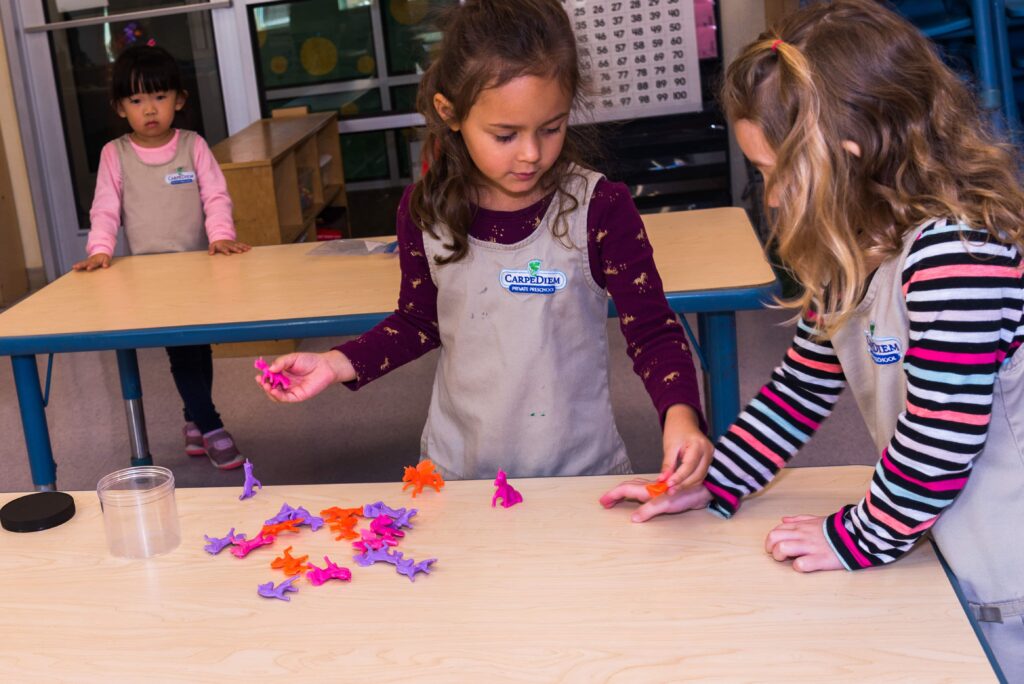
(341, 366)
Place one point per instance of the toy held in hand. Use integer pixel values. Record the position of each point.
(657, 488)
(508, 494)
(423, 475)
(275, 380)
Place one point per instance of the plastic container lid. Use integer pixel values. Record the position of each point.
(35, 512)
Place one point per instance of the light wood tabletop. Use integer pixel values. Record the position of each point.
(554, 589)
(696, 250)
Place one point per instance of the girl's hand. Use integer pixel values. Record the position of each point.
(98, 260)
(676, 501)
(685, 444)
(310, 374)
(228, 247)
(802, 538)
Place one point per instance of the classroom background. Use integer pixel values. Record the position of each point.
(357, 61)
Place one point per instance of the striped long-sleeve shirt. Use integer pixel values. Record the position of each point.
(965, 304)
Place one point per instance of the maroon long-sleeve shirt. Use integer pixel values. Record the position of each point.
(621, 260)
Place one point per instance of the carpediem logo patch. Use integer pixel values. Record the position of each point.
(883, 350)
(180, 177)
(532, 280)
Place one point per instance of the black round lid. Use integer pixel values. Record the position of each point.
(35, 512)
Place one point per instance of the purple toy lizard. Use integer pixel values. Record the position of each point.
(268, 590)
(217, 544)
(250, 482)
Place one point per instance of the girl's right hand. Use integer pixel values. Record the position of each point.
(98, 260)
(310, 374)
(685, 499)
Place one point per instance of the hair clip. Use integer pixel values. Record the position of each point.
(775, 44)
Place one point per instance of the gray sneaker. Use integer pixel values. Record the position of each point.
(220, 447)
(193, 440)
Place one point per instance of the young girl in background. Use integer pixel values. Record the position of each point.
(165, 187)
(901, 215)
(508, 249)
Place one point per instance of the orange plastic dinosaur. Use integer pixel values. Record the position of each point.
(657, 488)
(345, 527)
(334, 513)
(291, 566)
(423, 475)
(284, 526)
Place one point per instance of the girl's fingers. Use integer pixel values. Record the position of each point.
(798, 518)
(632, 489)
(781, 534)
(790, 548)
(700, 469)
(814, 562)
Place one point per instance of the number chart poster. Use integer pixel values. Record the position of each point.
(641, 56)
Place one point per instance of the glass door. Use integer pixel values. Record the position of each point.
(63, 52)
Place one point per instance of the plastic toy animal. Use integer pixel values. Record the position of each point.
(250, 482)
(215, 545)
(318, 576)
(508, 494)
(333, 514)
(268, 590)
(345, 528)
(283, 526)
(275, 380)
(290, 565)
(657, 488)
(423, 475)
(244, 546)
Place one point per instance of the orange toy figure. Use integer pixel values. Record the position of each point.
(423, 475)
(657, 489)
(334, 514)
(285, 526)
(291, 566)
(345, 527)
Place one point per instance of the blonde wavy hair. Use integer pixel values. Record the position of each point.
(852, 70)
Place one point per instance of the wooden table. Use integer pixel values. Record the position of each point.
(554, 589)
(710, 261)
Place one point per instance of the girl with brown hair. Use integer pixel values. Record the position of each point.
(509, 247)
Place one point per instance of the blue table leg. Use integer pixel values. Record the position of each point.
(717, 335)
(33, 422)
(131, 391)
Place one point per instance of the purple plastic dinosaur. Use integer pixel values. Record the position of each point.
(400, 515)
(286, 513)
(250, 482)
(268, 590)
(215, 545)
(409, 568)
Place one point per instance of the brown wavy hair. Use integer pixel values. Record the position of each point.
(486, 44)
(852, 70)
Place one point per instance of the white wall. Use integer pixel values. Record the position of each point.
(742, 21)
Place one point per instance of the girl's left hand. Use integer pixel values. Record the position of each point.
(684, 444)
(228, 247)
(802, 538)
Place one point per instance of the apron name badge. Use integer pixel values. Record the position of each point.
(180, 177)
(883, 350)
(532, 280)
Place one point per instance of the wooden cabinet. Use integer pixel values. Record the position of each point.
(281, 174)
(13, 276)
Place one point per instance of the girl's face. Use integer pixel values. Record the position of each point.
(150, 115)
(751, 139)
(514, 133)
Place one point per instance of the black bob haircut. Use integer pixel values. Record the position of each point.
(144, 69)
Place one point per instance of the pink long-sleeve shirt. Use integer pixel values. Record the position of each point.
(105, 215)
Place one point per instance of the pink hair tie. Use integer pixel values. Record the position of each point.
(775, 44)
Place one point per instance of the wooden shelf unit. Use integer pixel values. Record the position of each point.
(268, 165)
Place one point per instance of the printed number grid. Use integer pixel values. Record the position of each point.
(641, 56)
